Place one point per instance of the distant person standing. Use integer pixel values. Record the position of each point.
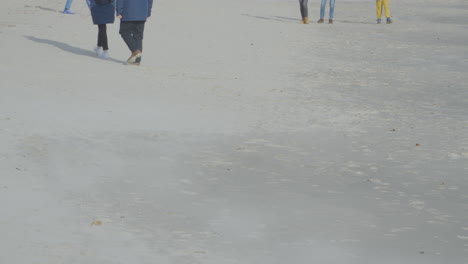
(304, 11)
(380, 5)
(322, 11)
(103, 13)
(67, 10)
(133, 15)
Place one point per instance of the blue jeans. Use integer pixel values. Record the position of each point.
(332, 8)
(68, 5)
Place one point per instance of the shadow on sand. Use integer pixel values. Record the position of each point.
(296, 20)
(69, 48)
(46, 9)
(275, 18)
(354, 22)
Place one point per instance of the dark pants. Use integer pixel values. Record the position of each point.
(304, 10)
(102, 37)
(132, 34)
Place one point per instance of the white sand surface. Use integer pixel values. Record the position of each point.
(243, 138)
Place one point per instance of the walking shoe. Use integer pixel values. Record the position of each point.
(137, 62)
(69, 12)
(135, 55)
(379, 21)
(389, 20)
(104, 54)
(98, 51)
(330, 21)
(320, 21)
(305, 20)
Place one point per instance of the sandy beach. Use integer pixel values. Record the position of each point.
(243, 138)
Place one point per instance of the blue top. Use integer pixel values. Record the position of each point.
(134, 10)
(102, 13)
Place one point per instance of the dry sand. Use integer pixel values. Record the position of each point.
(243, 138)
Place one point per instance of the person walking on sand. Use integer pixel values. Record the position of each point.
(322, 11)
(380, 5)
(103, 13)
(67, 9)
(304, 11)
(133, 15)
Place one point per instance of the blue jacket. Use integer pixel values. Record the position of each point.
(134, 10)
(102, 14)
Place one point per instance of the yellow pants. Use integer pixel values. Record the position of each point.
(381, 4)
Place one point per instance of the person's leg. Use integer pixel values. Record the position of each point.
(322, 9)
(98, 48)
(387, 8)
(332, 9)
(138, 30)
(102, 37)
(132, 33)
(103, 41)
(68, 5)
(378, 6)
(304, 9)
(138, 35)
(126, 33)
(99, 37)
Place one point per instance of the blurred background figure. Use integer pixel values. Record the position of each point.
(380, 5)
(322, 11)
(304, 11)
(67, 10)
